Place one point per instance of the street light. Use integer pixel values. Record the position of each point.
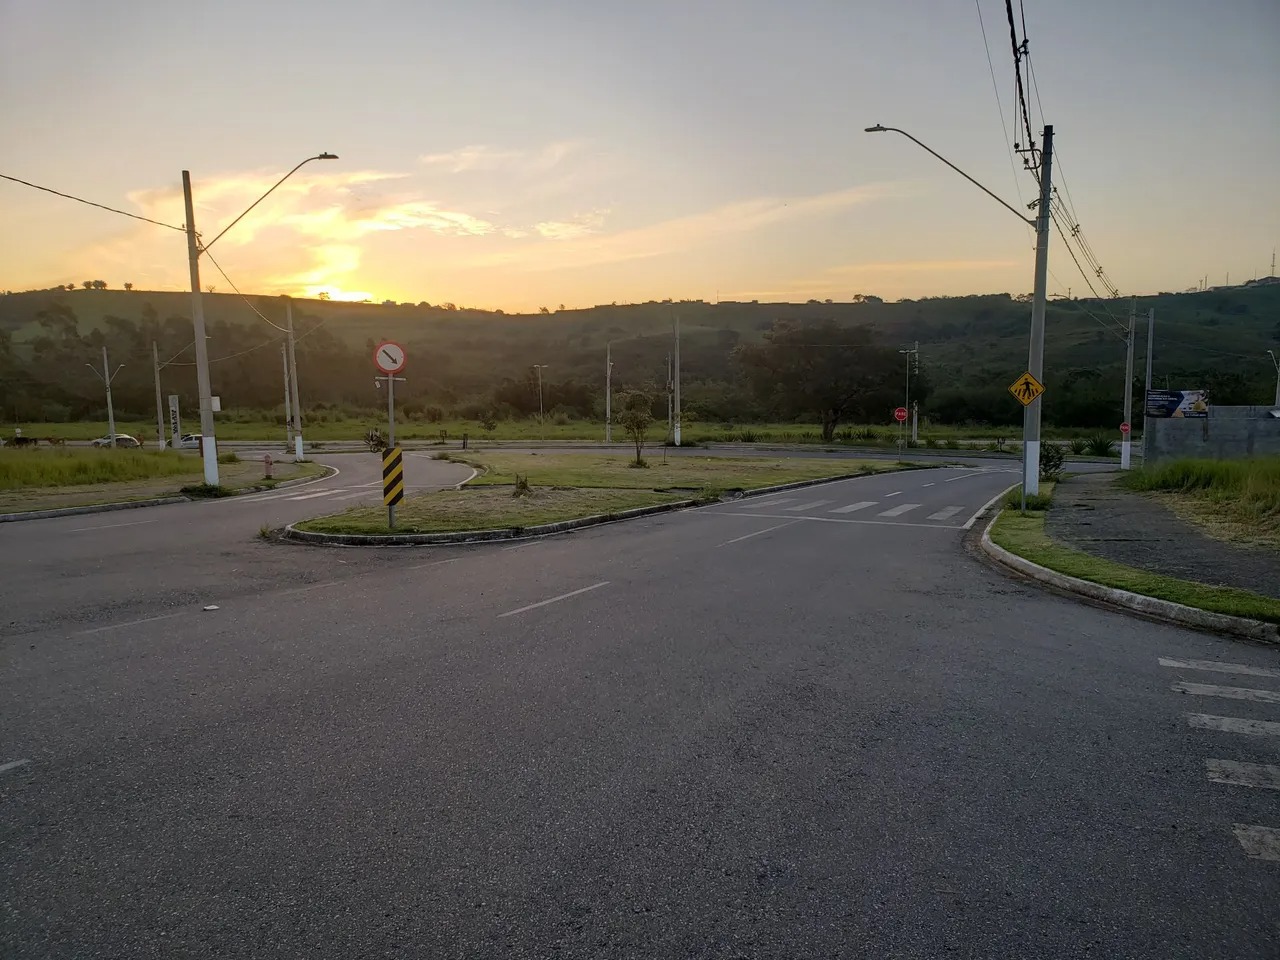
(542, 422)
(208, 446)
(1035, 352)
(106, 376)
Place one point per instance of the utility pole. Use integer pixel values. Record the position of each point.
(608, 392)
(912, 355)
(208, 445)
(1035, 353)
(1126, 445)
(542, 420)
(670, 419)
(155, 367)
(106, 376)
(1276, 361)
(1151, 340)
(298, 453)
(675, 415)
(288, 402)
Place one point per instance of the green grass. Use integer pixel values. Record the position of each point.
(1024, 535)
(681, 471)
(1246, 492)
(42, 469)
(448, 511)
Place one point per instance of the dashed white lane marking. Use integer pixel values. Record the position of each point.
(964, 476)
(928, 484)
(899, 510)
(1227, 693)
(1261, 843)
(769, 503)
(1215, 666)
(896, 493)
(563, 596)
(312, 496)
(109, 526)
(946, 513)
(850, 508)
(1254, 728)
(1237, 774)
(758, 532)
(435, 563)
(808, 506)
(12, 765)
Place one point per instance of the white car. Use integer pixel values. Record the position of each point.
(190, 441)
(122, 440)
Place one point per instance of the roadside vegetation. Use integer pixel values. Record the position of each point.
(39, 469)
(1231, 499)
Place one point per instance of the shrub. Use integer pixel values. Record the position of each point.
(1052, 459)
(748, 436)
(229, 457)
(1037, 501)
(1100, 445)
(1079, 446)
(521, 487)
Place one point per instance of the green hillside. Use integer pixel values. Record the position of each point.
(467, 361)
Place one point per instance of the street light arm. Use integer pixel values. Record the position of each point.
(881, 129)
(321, 156)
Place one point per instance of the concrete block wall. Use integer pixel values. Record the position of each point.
(1228, 433)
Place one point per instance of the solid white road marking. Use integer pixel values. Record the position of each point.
(312, 496)
(899, 510)
(850, 508)
(968, 524)
(873, 523)
(1228, 693)
(964, 476)
(108, 526)
(1237, 774)
(1261, 843)
(946, 513)
(1255, 728)
(12, 765)
(132, 623)
(769, 503)
(808, 506)
(1216, 666)
(435, 563)
(563, 596)
(758, 532)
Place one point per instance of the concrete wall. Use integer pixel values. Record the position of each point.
(1228, 433)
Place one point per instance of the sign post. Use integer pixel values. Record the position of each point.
(1026, 390)
(389, 357)
(900, 415)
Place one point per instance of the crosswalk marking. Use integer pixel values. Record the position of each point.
(899, 510)
(851, 507)
(352, 496)
(1237, 774)
(1261, 843)
(946, 513)
(1254, 728)
(312, 496)
(768, 503)
(1215, 666)
(806, 506)
(1228, 693)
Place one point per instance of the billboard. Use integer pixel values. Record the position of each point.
(1177, 403)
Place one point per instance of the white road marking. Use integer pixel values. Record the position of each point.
(284, 493)
(1216, 666)
(1228, 693)
(770, 503)
(1237, 774)
(873, 523)
(312, 496)
(809, 505)
(132, 623)
(1254, 728)
(1261, 843)
(758, 532)
(896, 493)
(946, 513)
(899, 510)
(435, 563)
(12, 765)
(928, 484)
(352, 496)
(109, 526)
(521, 546)
(563, 596)
(968, 524)
(964, 476)
(850, 508)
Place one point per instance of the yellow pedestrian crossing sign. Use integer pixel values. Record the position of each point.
(1026, 389)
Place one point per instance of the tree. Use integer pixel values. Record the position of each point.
(322, 295)
(821, 368)
(635, 418)
(544, 310)
(128, 286)
(87, 284)
(99, 284)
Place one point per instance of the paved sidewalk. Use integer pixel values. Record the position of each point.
(1093, 514)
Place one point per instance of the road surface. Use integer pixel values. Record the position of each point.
(812, 725)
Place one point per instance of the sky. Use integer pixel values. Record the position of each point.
(513, 155)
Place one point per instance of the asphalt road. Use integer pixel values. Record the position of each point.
(805, 726)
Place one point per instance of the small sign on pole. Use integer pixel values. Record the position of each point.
(175, 422)
(392, 482)
(1125, 428)
(900, 414)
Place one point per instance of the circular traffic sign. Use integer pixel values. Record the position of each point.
(389, 357)
(900, 414)
(1124, 428)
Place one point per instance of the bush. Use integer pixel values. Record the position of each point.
(1079, 446)
(1037, 501)
(1052, 460)
(1100, 445)
(229, 457)
(748, 436)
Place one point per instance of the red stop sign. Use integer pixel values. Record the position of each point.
(1124, 428)
(900, 414)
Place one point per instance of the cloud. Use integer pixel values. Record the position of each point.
(478, 157)
(581, 226)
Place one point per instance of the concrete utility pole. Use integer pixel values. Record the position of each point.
(1151, 340)
(208, 446)
(1276, 361)
(1035, 353)
(298, 453)
(912, 356)
(542, 420)
(155, 368)
(608, 392)
(1126, 445)
(670, 420)
(288, 402)
(675, 415)
(106, 376)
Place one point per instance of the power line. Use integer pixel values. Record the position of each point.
(995, 87)
(1018, 51)
(241, 295)
(100, 206)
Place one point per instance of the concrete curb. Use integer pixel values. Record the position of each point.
(155, 502)
(544, 530)
(1150, 606)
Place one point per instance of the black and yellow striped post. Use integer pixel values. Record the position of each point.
(392, 482)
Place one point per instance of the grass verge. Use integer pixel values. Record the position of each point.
(43, 469)
(1236, 500)
(1024, 535)
(449, 511)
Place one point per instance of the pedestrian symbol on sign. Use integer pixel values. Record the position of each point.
(1026, 389)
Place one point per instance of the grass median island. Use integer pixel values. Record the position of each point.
(1237, 500)
(567, 486)
(51, 478)
(1024, 535)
